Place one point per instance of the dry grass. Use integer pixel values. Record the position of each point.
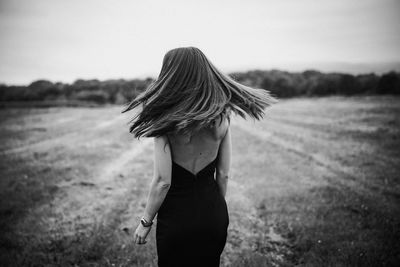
(314, 184)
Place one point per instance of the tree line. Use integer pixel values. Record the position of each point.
(282, 84)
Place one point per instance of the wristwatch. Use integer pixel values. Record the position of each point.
(146, 223)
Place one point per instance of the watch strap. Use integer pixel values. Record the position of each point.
(146, 223)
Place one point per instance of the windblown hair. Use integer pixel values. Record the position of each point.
(189, 94)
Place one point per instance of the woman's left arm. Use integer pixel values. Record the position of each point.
(159, 186)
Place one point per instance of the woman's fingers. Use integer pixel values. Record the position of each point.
(140, 236)
(139, 240)
(143, 241)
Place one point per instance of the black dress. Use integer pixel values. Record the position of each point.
(192, 221)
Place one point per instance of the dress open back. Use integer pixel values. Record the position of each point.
(193, 219)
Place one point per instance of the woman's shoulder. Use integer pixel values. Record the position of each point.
(221, 125)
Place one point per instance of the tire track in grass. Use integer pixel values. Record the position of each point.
(68, 137)
(81, 212)
(118, 219)
(48, 121)
(347, 178)
(248, 234)
(295, 174)
(321, 132)
(109, 183)
(287, 145)
(253, 240)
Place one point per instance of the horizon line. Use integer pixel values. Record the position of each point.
(144, 76)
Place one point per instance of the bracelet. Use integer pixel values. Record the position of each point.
(146, 223)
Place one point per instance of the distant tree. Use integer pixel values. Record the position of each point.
(40, 85)
(39, 90)
(99, 97)
(267, 83)
(389, 83)
(349, 85)
(280, 83)
(84, 85)
(368, 83)
(310, 73)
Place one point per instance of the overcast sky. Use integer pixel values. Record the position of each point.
(63, 40)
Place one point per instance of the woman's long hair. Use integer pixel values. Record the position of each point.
(189, 94)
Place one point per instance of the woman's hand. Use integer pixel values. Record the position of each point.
(141, 234)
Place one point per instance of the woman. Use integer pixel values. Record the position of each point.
(187, 110)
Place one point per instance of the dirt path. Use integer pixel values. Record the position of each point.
(115, 195)
(112, 198)
(337, 173)
(67, 137)
(91, 200)
(247, 231)
(298, 177)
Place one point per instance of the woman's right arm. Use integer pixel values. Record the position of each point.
(159, 186)
(224, 162)
(162, 177)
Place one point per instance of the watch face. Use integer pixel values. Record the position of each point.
(145, 224)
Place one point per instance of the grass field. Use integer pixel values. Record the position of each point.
(316, 183)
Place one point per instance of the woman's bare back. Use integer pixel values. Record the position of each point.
(195, 152)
